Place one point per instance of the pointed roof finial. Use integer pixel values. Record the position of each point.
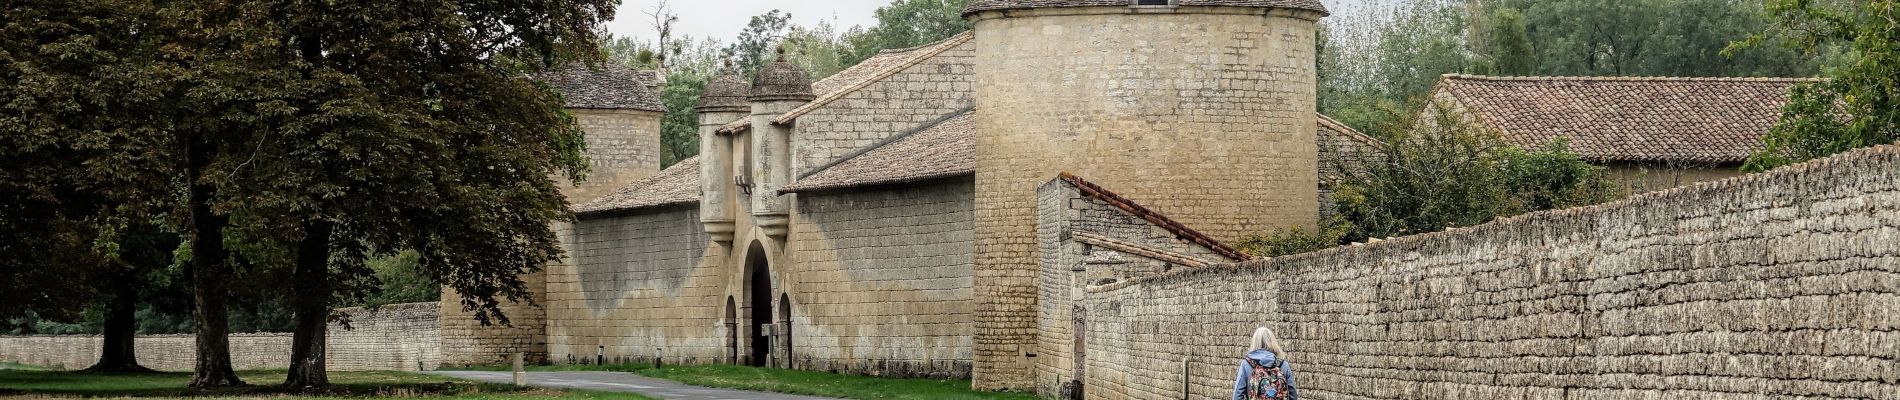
(781, 52)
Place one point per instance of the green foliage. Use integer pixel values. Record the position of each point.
(1296, 240)
(1447, 172)
(1859, 103)
(400, 280)
(755, 46)
(1389, 55)
(906, 23)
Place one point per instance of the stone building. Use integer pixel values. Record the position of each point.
(936, 211)
(1652, 133)
(620, 111)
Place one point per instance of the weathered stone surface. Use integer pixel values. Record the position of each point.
(1782, 284)
(397, 337)
(882, 281)
(1207, 114)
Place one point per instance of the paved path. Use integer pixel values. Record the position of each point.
(623, 382)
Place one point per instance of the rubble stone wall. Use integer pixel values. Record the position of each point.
(1781, 284)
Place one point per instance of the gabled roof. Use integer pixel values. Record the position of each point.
(977, 6)
(1180, 230)
(677, 184)
(883, 65)
(606, 87)
(1698, 120)
(940, 149)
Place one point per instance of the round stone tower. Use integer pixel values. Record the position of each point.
(1202, 110)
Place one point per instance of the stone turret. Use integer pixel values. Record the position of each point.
(1201, 109)
(725, 99)
(779, 88)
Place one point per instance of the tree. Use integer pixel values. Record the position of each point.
(86, 158)
(1443, 171)
(755, 45)
(374, 127)
(906, 23)
(1858, 105)
(663, 20)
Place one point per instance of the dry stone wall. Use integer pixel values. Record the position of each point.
(915, 95)
(881, 284)
(398, 337)
(1775, 285)
(635, 284)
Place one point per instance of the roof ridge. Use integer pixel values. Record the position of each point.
(941, 46)
(887, 141)
(1630, 78)
(1355, 134)
(1153, 217)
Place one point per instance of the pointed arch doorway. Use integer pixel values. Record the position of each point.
(758, 292)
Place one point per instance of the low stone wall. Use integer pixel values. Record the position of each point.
(1783, 284)
(400, 337)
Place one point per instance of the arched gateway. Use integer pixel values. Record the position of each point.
(758, 289)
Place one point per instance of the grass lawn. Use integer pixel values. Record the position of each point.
(801, 382)
(350, 385)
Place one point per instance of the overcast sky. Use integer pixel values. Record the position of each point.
(724, 19)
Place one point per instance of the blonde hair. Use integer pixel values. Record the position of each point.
(1263, 339)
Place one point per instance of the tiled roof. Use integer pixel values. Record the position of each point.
(976, 6)
(1179, 229)
(944, 148)
(678, 184)
(606, 87)
(872, 70)
(1699, 120)
(738, 125)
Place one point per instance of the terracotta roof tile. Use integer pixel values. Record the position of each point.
(976, 6)
(677, 184)
(1179, 229)
(1700, 120)
(606, 87)
(943, 148)
(738, 125)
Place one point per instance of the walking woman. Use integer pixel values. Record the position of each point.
(1264, 372)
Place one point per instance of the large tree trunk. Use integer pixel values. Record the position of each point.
(311, 301)
(121, 327)
(210, 320)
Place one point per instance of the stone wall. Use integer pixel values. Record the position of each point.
(1781, 284)
(881, 284)
(622, 146)
(1635, 178)
(1207, 112)
(1066, 217)
(466, 341)
(636, 283)
(399, 337)
(915, 95)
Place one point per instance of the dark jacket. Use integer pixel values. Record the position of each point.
(1265, 358)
